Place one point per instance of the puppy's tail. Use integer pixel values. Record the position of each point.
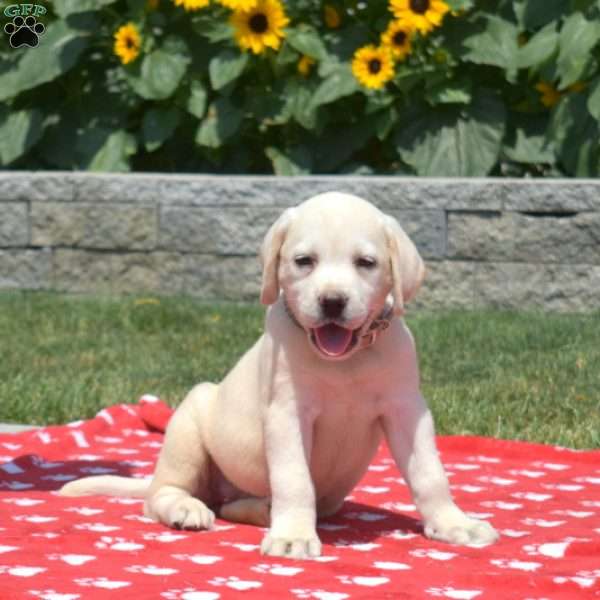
(106, 485)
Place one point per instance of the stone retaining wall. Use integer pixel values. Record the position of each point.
(501, 243)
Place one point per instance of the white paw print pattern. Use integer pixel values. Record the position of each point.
(319, 594)
(276, 569)
(153, 570)
(455, 594)
(75, 560)
(51, 594)
(235, 583)
(119, 544)
(22, 571)
(97, 527)
(190, 594)
(199, 559)
(26, 502)
(545, 502)
(363, 580)
(103, 583)
(519, 565)
(434, 554)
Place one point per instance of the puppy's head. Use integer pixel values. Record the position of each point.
(337, 258)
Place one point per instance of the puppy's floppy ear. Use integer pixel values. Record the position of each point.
(269, 256)
(408, 269)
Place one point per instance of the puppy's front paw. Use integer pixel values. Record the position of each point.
(295, 546)
(190, 513)
(462, 530)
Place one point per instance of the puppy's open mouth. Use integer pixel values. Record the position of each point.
(333, 340)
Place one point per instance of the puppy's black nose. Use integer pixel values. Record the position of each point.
(332, 306)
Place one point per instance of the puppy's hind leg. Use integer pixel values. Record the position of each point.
(180, 489)
(252, 511)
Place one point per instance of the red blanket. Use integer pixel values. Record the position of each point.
(545, 501)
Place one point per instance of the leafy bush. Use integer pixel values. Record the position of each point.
(500, 87)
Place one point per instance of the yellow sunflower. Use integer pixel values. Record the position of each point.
(191, 5)
(373, 66)
(238, 4)
(260, 27)
(331, 16)
(549, 95)
(305, 64)
(397, 38)
(127, 43)
(423, 15)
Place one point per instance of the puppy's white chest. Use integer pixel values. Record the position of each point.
(346, 433)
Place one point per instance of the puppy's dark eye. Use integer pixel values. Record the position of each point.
(366, 262)
(304, 261)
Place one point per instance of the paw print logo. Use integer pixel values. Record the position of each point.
(24, 31)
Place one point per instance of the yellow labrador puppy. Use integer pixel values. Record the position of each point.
(292, 428)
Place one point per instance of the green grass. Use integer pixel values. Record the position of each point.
(511, 375)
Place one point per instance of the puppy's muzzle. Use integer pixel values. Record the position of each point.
(333, 305)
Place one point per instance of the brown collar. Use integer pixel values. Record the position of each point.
(368, 337)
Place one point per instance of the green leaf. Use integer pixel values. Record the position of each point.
(527, 143)
(19, 131)
(384, 122)
(453, 142)
(575, 133)
(77, 141)
(306, 40)
(496, 45)
(158, 126)
(341, 82)
(539, 48)
(267, 106)
(227, 66)
(337, 145)
(214, 30)
(196, 104)
(160, 75)
(460, 4)
(64, 8)
(112, 150)
(534, 14)
(58, 51)
(221, 122)
(449, 92)
(298, 103)
(296, 161)
(577, 38)
(593, 103)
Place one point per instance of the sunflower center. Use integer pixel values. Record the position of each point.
(374, 66)
(258, 23)
(419, 6)
(399, 38)
(129, 43)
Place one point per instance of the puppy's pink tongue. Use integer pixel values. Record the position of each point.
(332, 339)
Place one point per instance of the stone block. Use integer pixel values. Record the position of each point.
(226, 230)
(446, 284)
(560, 288)
(107, 226)
(210, 277)
(25, 269)
(516, 237)
(426, 228)
(549, 195)
(81, 271)
(14, 224)
(29, 186)
(508, 286)
(135, 273)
